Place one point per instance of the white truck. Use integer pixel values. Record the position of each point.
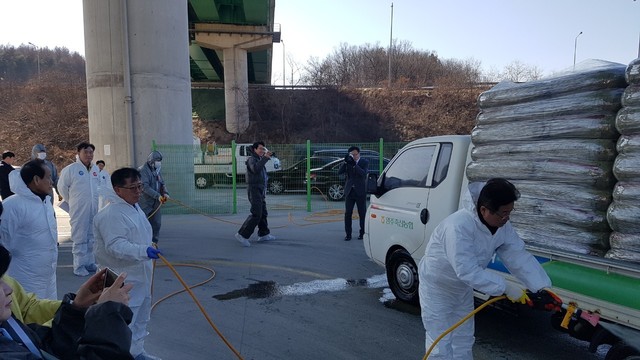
(215, 165)
(407, 203)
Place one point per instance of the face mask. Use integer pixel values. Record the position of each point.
(42, 155)
(157, 165)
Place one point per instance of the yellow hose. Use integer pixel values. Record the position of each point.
(487, 303)
(193, 296)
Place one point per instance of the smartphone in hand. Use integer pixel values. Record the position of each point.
(110, 277)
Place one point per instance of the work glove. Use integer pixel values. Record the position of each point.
(545, 300)
(516, 293)
(162, 199)
(153, 253)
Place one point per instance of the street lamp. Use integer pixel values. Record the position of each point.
(38, 55)
(283, 64)
(575, 49)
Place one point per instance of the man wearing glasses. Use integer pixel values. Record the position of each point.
(455, 263)
(124, 244)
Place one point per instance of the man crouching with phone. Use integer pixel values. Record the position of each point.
(91, 324)
(123, 243)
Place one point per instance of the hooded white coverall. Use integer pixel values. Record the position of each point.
(30, 233)
(123, 235)
(455, 263)
(104, 182)
(79, 187)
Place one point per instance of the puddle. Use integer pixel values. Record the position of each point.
(268, 289)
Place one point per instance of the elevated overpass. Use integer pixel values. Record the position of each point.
(230, 46)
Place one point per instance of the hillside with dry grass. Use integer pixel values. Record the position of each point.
(54, 112)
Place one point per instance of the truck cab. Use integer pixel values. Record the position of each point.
(417, 190)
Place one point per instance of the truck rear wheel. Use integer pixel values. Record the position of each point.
(203, 181)
(402, 275)
(622, 351)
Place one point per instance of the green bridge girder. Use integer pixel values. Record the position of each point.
(207, 64)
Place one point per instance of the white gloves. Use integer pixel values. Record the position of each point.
(516, 293)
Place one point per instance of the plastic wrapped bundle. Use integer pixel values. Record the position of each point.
(562, 128)
(598, 176)
(632, 73)
(624, 247)
(627, 191)
(565, 195)
(592, 102)
(628, 144)
(587, 151)
(625, 241)
(563, 213)
(562, 237)
(631, 95)
(627, 166)
(588, 75)
(623, 217)
(628, 120)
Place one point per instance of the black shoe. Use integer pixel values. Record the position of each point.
(347, 238)
(361, 236)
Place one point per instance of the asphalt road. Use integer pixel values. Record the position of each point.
(306, 295)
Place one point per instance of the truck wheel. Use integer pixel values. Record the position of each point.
(402, 275)
(622, 351)
(336, 192)
(202, 181)
(276, 187)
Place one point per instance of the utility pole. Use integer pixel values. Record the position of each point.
(390, 44)
(284, 84)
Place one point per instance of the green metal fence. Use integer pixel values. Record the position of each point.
(304, 176)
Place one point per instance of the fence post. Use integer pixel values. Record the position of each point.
(308, 175)
(233, 177)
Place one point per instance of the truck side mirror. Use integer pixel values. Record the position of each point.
(372, 183)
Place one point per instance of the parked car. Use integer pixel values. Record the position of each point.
(341, 153)
(328, 181)
(294, 178)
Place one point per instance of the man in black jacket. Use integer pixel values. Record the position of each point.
(356, 169)
(6, 166)
(91, 324)
(256, 190)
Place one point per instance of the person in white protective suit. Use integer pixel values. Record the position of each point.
(123, 243)
(104, 181)
(78, 185)
(29, 231)
(455, 263)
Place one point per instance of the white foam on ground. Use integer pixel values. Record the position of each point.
(316, 286)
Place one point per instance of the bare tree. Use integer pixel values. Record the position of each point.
(518, 71)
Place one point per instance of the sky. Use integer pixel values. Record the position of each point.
(539, 33)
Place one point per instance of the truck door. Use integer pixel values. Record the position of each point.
(400, 215)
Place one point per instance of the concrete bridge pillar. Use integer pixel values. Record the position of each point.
(138, 82)
(235, 41)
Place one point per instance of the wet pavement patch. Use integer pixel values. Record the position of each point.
(268, 289)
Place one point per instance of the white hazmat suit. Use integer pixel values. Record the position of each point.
(78, 185)
(30, 233)
(123, 235)
(455, 263)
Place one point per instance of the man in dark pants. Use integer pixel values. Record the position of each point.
(256, 190)
(356, 169)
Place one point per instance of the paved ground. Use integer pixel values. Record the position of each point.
(306, 295)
